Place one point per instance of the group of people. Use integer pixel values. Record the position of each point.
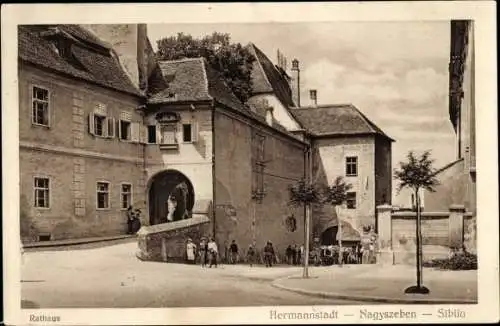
(294, 254)
(207, 253)
(133, 220)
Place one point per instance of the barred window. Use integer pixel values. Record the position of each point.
(102, 195)
(42, 198)
(40, 106)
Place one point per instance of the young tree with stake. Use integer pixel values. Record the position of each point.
(417, 173)
(304, 193)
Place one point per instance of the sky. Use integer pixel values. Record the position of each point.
(396, 73)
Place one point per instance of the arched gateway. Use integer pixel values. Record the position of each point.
(171, 197)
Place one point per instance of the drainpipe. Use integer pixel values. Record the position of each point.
(214, 180)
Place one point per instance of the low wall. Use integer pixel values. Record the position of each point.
(441, 232)
(167, 241)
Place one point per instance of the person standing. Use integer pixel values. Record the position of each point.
(203, 251)
(190, 251)
(251, 255)
(366, 242)
(233, 248)
(130, 220)
(269, 254)
(213, 252)
(289, 254)
(294, 254)
(301, 255)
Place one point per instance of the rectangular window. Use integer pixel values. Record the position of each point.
(99, 122)
(187, 133)
(351, 166)
(125, 130)
(126, 195)
(168, 135)
(102, 195)
(40, 106)
(152, 134)
(351, 200)
(41, 187)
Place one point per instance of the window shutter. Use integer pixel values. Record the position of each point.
(194, 131)
(134, 132)
(118, 126)
(91, 124)
(111, 127)
(144, 134)
(158, 134)
(105, 127)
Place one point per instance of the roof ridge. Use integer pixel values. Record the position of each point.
(322, 106)
(205, 76)
(181, 60)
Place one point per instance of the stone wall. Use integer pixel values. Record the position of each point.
(238, 216)
(441, 232)
(167, 242)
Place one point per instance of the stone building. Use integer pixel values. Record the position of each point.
(104, 125)
(458, 178)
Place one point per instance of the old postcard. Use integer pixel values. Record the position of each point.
(250, 163)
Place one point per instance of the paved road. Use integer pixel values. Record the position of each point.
(112, 276)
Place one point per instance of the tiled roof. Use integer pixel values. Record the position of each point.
(336, 120)
(194, 80)
(91, 58)
(267, 79)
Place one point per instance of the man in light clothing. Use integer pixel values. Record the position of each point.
(213, 252)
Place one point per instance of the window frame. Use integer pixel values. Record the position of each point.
(33, 99)
(130, 193)
(174, 127)
(97, 195)
(191, 136)
(120, 133)
(350, 199)
(104, 122)
(350, 164)
(35, 188)
(155, 127)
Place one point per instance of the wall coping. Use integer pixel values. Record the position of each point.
(182, 224)
(426, 215)
(457, 208)
(384, 207)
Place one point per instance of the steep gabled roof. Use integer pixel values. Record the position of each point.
(267, 79)
(191, 80)
(91, 59)
(336, 120)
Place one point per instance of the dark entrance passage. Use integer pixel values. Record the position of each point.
(171, 197)
(329, 236)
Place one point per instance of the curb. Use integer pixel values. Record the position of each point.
(333, 295)
(63, 243)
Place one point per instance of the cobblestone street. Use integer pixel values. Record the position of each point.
(112, 276)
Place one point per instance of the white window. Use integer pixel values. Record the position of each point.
(42, 192)
(168, 136)
(102, 195)
(40, 106)
(126, 195)
(351, 166)
(125, 130)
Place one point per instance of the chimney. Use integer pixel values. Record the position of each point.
(313, 96)
(269, 115)
(130, 43)
(295, 83)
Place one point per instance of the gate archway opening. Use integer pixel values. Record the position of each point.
(171, 197)
(329, 236)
